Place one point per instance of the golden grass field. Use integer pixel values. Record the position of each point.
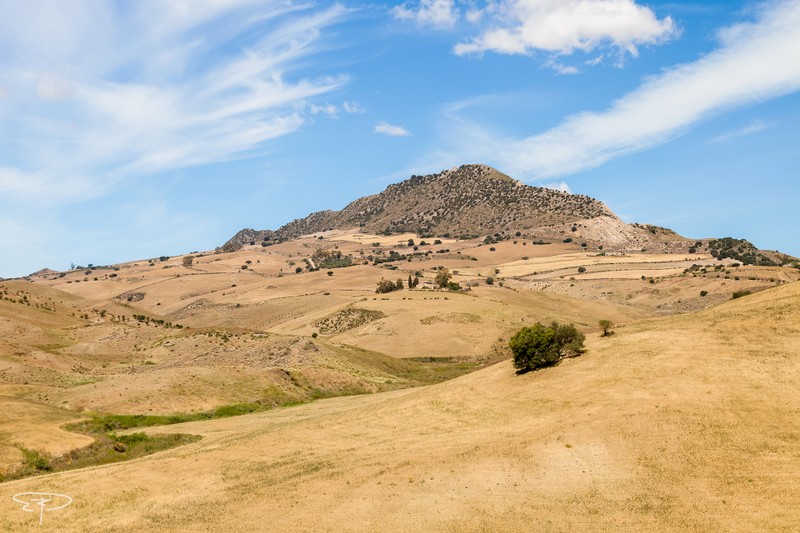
(686, 419)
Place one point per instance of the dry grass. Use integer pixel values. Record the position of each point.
(680, 424)
(677, 424)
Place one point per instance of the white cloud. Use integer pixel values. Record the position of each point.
(50, 87)
(389, 129)
(563, 26)
(560, 68)
(353, 107)
(325, 109)
(595, 60)
(440, 14)
(754, 127)
(150, 86)
(558, 186)
(474, 15)
(751, 64)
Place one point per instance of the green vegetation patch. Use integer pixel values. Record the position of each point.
(740, 250)
(109, 423)
(451, 318)
(346, 319)
(107, 448)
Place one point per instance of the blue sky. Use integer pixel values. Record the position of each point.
(131, 130)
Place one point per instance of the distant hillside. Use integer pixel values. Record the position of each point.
(478, 201)
(470, 200)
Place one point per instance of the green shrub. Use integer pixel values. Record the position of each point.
(36, 461)
(539, 346)
(739, 294)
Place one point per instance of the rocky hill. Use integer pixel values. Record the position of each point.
(478, 201)
(470, 200)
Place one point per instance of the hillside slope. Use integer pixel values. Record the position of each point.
(470, 200)
(686, 423)
(477, 201)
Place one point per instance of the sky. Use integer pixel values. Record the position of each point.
(131, 130)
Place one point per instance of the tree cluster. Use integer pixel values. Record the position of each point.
(385, 285)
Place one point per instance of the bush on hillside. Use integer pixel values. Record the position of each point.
(539, 346)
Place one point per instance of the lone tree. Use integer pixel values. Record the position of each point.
(188, 260)
(442, 278)
(606, 325)
(539, 346)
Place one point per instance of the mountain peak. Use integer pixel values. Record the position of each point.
(467, 200)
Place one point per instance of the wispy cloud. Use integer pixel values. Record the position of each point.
(440, 14)
(560, 68)
(353, 107)
(558, 186)
(754, 127)
(753, 63)
(332, 110)
(97, 93)
(391, 130)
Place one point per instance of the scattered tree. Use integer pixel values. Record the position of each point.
(539, 346)
(384, 286)
(442, 278)
(188, 260)
(606, 325)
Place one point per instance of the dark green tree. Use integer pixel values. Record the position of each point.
(533, 347)
(538, 346)
(569, 341)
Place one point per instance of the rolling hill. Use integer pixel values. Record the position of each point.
(476, 201)
(684, 423)
(411, 417)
